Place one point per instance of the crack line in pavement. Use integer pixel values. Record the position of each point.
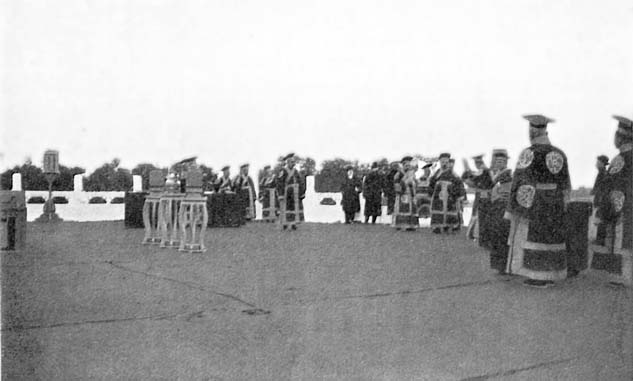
(405, 292)
(102, 321)
(188, 284)
(514, 371)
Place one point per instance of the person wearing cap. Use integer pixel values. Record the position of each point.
(497, 227)
(536, 209)
(245, 187)
(480, 182)
(423, 198)
(615, 211)
(224, 184)
(268, 195)
(291, 190)
(448, 191)
(372, 193)
(350, 190)
(405, 212)
(388, 186)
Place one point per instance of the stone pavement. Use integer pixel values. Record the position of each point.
(334, 302)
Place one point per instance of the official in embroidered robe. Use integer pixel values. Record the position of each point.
(422, 195)
(405, 215)
(497, 227)
(615, 211)
(224, 183)
(245, 187)
(350, 190)
(448, 192)
(480, 182)
(291, 190)
(268, 196)
(536, 209)
(372, 193)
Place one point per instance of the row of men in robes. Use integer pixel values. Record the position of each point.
(439, 196)
(282, 195)
(242, 185)
(535, 211)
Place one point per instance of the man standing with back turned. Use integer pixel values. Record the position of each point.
(538, 197)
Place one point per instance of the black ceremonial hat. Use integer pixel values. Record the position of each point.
(445, 154)
(226, 168)
(625, 125)
(538, 120)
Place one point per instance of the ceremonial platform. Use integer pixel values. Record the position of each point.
(328, 301)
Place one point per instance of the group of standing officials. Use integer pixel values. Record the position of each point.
(520, 217)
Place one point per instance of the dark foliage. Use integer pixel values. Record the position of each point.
(109, 177)
(36, 200)
(328, 201)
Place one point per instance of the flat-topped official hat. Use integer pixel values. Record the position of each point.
(288, 156)
(538, 120)
(500, 152)
(478, 157)
(625, 125)
(406, 159)
(348, 167)
(226, 168)
(445, 154)
(244, 165)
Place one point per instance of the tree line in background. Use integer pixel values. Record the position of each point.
(111, 177)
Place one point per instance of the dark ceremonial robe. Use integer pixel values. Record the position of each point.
(389, 190)
(597, 193)
(481, 183)
(372, 192)
(405, 214)
(448, 189)
(423, 198)
(245, 188)
(497, 227)
(350, 189)
(224, 184)
(291, 190)
(268, 198)
(615, 215)
(536, 210)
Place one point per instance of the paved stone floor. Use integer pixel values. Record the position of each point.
(327, 302)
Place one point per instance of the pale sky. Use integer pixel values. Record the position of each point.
(246, 81)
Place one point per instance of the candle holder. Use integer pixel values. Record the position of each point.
(51, 172)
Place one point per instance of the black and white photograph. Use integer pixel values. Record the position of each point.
(316, 190)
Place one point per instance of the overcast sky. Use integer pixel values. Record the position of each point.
(246, 81)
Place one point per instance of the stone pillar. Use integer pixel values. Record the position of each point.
(78, 183)
(16, 182)
(137, 183)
